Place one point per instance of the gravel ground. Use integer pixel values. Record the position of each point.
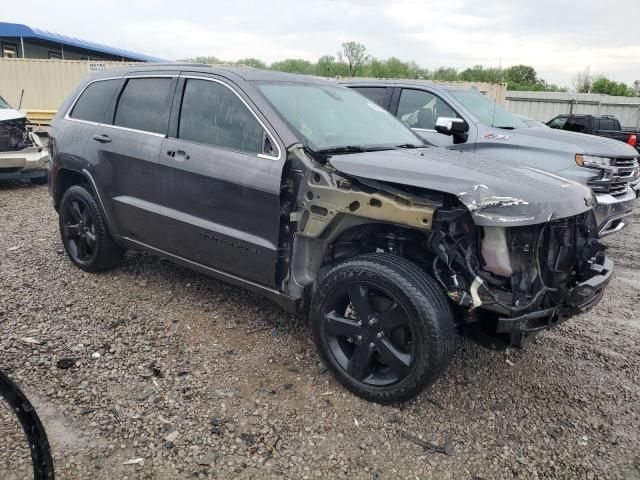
(198, 379)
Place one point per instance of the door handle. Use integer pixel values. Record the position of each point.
(102, 138)
(179, 155)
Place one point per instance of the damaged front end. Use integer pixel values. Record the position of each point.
(512, 282)
(22, 154)
(513, 265)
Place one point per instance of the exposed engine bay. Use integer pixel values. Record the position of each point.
(507, 281)
(14, 135)
(22, 154)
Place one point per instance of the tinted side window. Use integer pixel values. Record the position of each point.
(605, 124)
(379, 95)
(420, 109)
(144, 104)
(92, 104)
(575, 124)
(557, 122)
(212, 114)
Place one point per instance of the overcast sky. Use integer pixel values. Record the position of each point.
(557, 37)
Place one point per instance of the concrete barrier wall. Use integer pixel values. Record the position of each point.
(46, 83)
(543, 106)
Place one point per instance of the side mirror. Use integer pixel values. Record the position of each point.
(456, 127)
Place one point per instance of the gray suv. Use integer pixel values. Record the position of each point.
(463, 119)
(307, 192)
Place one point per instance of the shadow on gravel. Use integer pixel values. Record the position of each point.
(18, 185)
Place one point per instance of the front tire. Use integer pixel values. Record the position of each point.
(84, 232)
(383, 327)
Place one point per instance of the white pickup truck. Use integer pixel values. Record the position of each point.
(22, 154)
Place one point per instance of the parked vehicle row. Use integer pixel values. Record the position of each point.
(313, 195)
(22, 154)
(460, 118)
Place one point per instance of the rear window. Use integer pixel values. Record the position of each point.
(575, 124)
(144, 105)
(606, 124)
(94, 101)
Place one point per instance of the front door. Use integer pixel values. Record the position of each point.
(419, 110)
(222, 200)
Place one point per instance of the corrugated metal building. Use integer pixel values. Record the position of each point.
(21, 41)
(543, 106)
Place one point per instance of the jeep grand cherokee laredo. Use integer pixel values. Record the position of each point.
(22, 154)
(463, 119)
(311, 194)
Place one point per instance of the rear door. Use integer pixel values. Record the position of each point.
(126, 150)
(223, 168)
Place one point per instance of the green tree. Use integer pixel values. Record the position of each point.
(210, 60)
(445, 74)
(355, 55)
(326, 66)
(521, 75)
(251, 62)
(294, 65)
(478, 73)
(610, 87)
(635, 88)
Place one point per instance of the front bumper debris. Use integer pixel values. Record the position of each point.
(583, 297)
(614, 213)
(30, 162)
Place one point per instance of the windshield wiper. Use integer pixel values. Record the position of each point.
(349, 149)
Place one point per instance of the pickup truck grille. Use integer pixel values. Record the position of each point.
(624, 162)
(618, 188)
(622, 172)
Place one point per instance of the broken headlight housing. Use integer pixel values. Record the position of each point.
(592, 161)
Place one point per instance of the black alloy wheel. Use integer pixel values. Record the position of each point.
(79, 230)
(369, 333)
(382, 326)
(84, 232)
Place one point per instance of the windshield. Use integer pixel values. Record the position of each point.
(485, 110)
(4, 103)
(328, 117)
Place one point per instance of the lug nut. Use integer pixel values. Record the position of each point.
(379, 335)
(359, 338)
(372, 322)
(371, 345)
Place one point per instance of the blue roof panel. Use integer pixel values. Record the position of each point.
(20, 30)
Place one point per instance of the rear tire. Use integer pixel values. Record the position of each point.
(402, 339)
(84, 232)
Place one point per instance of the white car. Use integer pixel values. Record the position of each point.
(22, 154)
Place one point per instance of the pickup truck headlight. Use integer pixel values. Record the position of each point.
(592, 161)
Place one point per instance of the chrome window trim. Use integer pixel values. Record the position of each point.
(67, 115)
(109, 125)
(423, 129)
(268, 132)
(259, 155)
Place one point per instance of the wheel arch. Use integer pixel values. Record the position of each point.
(68, 177)
(314, 255)
(64, 179)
